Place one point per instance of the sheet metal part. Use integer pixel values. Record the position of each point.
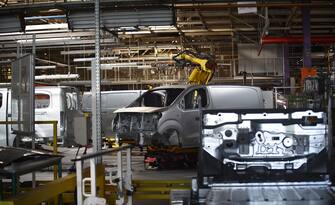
(299, 195)
(279, 141)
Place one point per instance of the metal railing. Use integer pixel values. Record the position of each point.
(50, 191)
(124, 183)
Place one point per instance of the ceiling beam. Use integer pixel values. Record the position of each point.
(52, 62)
(257, 4)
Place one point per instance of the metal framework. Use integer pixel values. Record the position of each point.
(214, 27)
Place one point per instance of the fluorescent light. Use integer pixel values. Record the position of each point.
(118, 65)
(137, 32)
(47, 26)
(127, 28)
(56, 77)
(154, 28)
(44, 17)
(83, 67)
(63, 39)
(111, 66)
(91, 59)
(144, 66)
(45, 67)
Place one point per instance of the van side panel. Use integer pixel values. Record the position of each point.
(268, 99)
(3, 99)
(235, 97)
(111, 100)
(51, 112)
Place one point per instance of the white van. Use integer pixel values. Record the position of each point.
(170, 115)
(51, 103)
(110, 101)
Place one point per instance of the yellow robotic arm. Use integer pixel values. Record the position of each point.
(204, 66)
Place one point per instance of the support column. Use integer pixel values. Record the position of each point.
(32, 104)
(96, 81)
(306, 19)
(286, 65)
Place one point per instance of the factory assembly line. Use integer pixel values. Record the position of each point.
(243, 152)
(179, 102)
(246, 154)
(152, 120)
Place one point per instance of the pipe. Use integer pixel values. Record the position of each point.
(232, 4)
(297, 40)
(306, 23)
(44, 17)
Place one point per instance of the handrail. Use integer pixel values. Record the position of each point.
(51, 190)
(100, 153)
(44, 122)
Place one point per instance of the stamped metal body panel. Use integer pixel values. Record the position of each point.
(264, 157)
(302, 194)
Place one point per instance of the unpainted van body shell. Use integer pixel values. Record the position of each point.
(155, 119)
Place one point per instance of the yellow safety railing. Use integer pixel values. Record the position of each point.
(51, 190)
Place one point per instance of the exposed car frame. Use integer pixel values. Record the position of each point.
(170, 115)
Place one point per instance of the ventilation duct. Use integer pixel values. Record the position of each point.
(111, 19)
(11, 23)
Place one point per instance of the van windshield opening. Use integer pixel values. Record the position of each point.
(157, 98)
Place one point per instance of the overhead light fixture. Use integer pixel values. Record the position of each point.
(118, 65)
(29, 33)
(57, 77)
(27, 18)
(144, 66)
(110, 66)
(127, 28)
(83, 67)
(62, 39)
(90, 59)
(42, 67)
(155, 28)
(136, 32)
(47, 26)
